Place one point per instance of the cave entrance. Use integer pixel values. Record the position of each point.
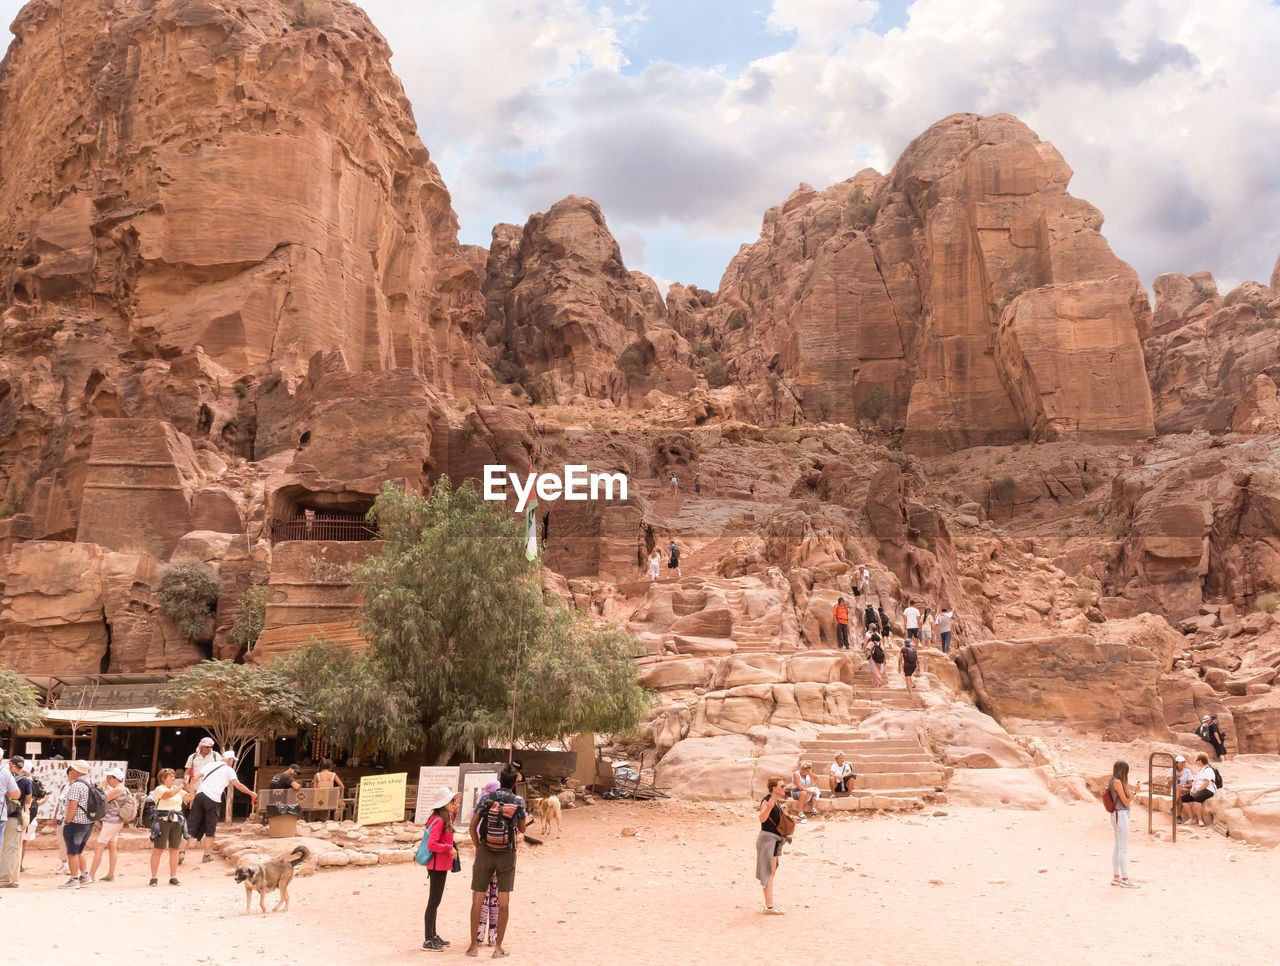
(301, 514)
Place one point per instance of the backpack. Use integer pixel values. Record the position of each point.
(1203, 732)
(909, 659)
(97, 802)
(497, 827)
(877, 653)
(1217, 777)
(127, 808)
(423, 855)
(1108, 798)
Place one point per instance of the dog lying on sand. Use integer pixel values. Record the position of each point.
(268, 876)
(546, 809)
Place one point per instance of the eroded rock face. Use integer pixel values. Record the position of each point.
(883, 297)
(194, 199)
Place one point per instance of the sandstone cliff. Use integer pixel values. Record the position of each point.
(965, 298)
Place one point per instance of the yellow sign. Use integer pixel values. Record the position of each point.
(381, 799)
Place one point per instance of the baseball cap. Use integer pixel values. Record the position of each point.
(19, 761)
(229, 754)
(1179, 758)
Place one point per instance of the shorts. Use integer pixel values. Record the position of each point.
(673, 565)
(913, 632)
(487, 864)
(170, 836)
(76, 836)
(908, 670)
(1201, 796)
(203, 819)
(795, 792)
(30, 834)
(109, 832)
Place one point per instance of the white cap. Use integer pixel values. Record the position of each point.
(229, 754)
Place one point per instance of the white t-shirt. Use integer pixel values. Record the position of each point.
(839, 770)
(216, 782)
(912, 616)
(944, 622)
(200, 764)
(1205, 774)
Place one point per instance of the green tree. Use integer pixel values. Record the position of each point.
(454, 614)
(251, 617)
(19, 703)
(188, 592)
(240, 703)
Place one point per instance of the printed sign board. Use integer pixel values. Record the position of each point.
(381, 798)
(474, 778)
(54, 776)
(431, 778)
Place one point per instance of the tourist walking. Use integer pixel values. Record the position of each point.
(769, 840)
(875, 658)
(675, 485)
(870, 621)
(926, 627)
(841, 613)
(77, 825)
(1121, 796)
(199, 762)
(167, 826)
(697, 482)
(444, 859)
(1210, 732)
(864, 581)
(206, 806)
(59, 822)
(12, 809)
(487, 931)
(908, 661)
(673, 557)
(112, 823)
(655, 564)
(944, 628)
(911, 615)
(498, 817)
(883, 620)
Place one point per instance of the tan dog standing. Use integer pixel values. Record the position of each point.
(546, 809)
(268, 876)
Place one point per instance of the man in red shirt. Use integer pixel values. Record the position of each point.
(841, 613)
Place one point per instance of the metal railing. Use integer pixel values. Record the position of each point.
(1151, 790)
(324, 526)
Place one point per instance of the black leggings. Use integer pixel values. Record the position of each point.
(436, 878)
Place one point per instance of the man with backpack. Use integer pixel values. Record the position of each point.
(497, 819)
(908, 661)
(16, 824)
(1210, 732)
(86, 804)
(10, 802)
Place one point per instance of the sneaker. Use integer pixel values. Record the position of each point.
(1202, 825)
(72, 883)
(442, 942)
(1116, 882)
(65, 870)
(182, 856)
(774, 911)
(173, 880)
(154, 882)
(207, 858)
(433, 944)
(86, 879)
(1129, 884)
(804, 819)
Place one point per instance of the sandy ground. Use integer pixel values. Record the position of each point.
(971, 886)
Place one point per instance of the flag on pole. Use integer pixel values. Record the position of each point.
(531, 533)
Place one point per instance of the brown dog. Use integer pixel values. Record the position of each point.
(544, 810)
(267, 876)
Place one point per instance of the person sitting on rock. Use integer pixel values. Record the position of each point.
(841, 775)
(1210, 732)
(806, 790)
(1203, 788)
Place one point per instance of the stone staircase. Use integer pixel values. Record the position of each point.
(751, 634)
(889, 771)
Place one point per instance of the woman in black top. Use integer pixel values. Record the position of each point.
(769, 841)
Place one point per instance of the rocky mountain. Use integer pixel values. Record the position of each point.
(233, 304)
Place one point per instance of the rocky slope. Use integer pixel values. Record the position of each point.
(234, 304)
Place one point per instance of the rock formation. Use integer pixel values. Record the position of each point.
(965, 297)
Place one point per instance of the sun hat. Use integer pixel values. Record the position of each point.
(442, 797)
(1206, 717)
(79, 765)
(229, 754)
(117, 774)
(1179, 758)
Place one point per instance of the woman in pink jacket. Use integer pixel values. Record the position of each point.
(439, 833)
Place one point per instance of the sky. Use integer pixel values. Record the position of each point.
(687, 120)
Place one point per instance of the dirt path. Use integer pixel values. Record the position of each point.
(975, 886)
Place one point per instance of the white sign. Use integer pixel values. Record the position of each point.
(33, 749)
(431, 778)
(472, 783)
(54, 776)
(576, 484)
